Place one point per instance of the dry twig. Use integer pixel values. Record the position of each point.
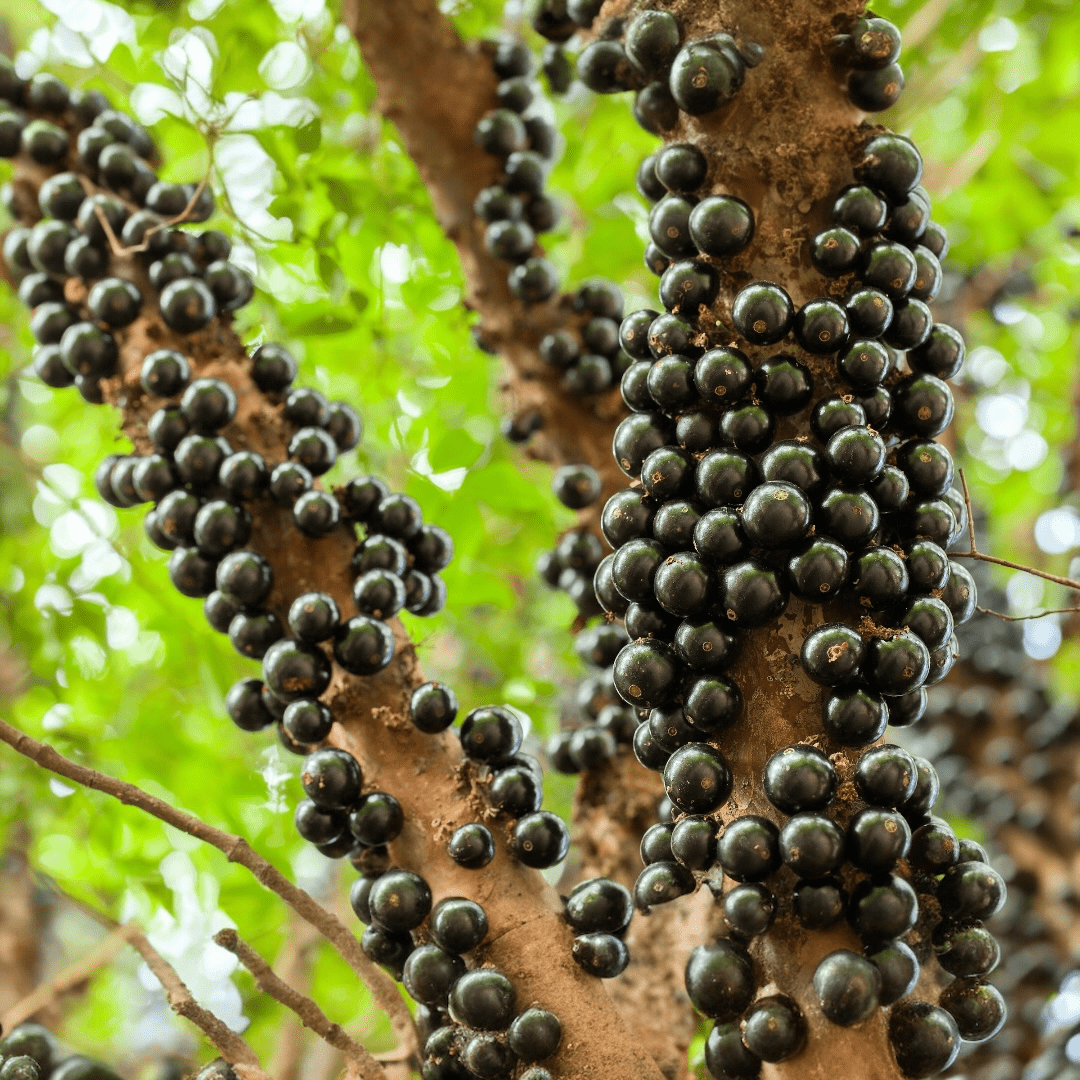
(237, 850)
(310, 1014)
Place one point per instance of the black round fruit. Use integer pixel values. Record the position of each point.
(774, 1028)
(697, 778)
(721, 225)
(762, 313)
(924, 1038)
(720, 980)
(847, 987)
(800, 778)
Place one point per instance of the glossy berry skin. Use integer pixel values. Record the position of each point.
(389, 950)
(835, 251)
(692, 842)
(748, 849)
(705, 646)
(720, 980)
(490, 734)
(851, 517)
(660, 883)
(314, 616)
(316, 824)
(669, 227)
(245, 707)
(847, 987)
(535, 1035)
(273, 368)
(245, 575)
(800, 778)
(971, 890)
(675, 522)
(602, 955)
(854, 716)
(870, 313)
(726, 1057)
(721, 225)
(832, 654)
(752, 595)
(399, 901)
(697, 778)
(645, 674)
(599, 905)
(897, 665)
(818, 904)
(164, 373)
(925, 1039)
(865, 364)
(774, 1028)
(363, 646)
(978, 1009)
(883, 907)
(821, 326)
(877, 839)
(316, 513)
(775, 514)
(812, 845)
(430, 972)
(924, 405)
(688, 286)
(762, 313)
(890, 267)
(795, 463)
(934, 847)
(886, 776)
(471, 846)
(899, 970)
(718, 534)
(941, 355)
(785, 385)
(307, 722)
(834, 412)
(703, 77)
(879, 577)
(187, 305)
(749, 910)
(540, 840)
(860, 209)
(967, 951)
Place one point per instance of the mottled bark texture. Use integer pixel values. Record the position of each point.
(528, 939)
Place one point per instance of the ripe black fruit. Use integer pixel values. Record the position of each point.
(702, 77)
(854, 716)
(669, 226)
(540, 839)
(721, 225)
(832, 654)
(924, 1038)
(645, 673)
(748, 848)
(835, 251)
(899, 968)
(720, 980)
(821, 326)
(800, 778)
(890, 267)
(812, 845)
(775, 514)
(818, 904)
(883, 907)
(602, 955)
(785, 385)
(879, 577)
(877, 839)
(535, 1034)
(753, 594)
(697, 779)
(847, 987)
(774, 1028)
(762, 313)
(430, 972)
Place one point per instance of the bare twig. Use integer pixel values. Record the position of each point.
(310, 1014)
(1025, 618)
(974, 553)
(233, 1048)
(237, 850)
(41, 997)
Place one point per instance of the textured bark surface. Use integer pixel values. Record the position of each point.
(528, 940)
(21, 923)
(785, 146)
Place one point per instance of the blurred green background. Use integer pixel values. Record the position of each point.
(99, 655)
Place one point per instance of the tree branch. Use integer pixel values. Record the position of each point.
(309, 1013)
(237, 850)
(233, 1048)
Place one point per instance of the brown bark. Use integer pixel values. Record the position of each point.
(20, 923)
(528, 939)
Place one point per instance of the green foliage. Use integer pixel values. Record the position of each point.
(354, 274)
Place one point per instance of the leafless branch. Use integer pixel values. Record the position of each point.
(974, 553)
(310, 1014)
(237, 850)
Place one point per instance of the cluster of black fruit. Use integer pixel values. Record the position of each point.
(516, 209)
(963, 729)
(32, 1052)
(588, 354)
(724, 522)
(869, 52)
(108, 199)
(869, 861)
(671, 76)
(603, 722)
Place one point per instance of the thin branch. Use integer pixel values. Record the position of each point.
(237, 850)
(295, 964)
(1026, 618)
(233, 1047)
(309, 1013)
(974, 553)
(41, 997)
